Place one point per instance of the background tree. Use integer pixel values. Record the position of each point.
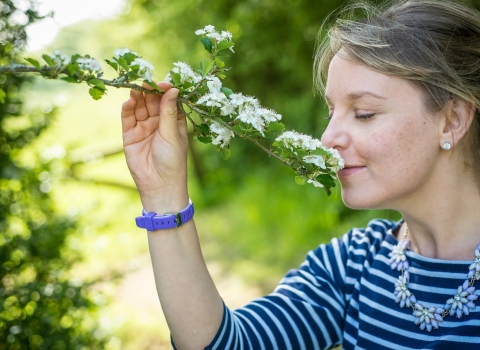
(41, 306)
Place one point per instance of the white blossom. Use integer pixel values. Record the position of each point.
(214, 84)
(268, 115)
(248, 115)
(237, 99)
(226, 35)
(224, 135)
(314, 182)
(315, 159)
(293, 139)
(214, 99)
(90, 64)
(123, 51)
(95, 65)
(60, 59)
(227, 109)
(209, 28)
(187, 74)
(210, 32)
(145, 68)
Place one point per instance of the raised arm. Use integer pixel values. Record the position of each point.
(156, 145)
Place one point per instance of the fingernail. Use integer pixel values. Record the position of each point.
(173, 94)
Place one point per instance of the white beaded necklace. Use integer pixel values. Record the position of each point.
(429, 318)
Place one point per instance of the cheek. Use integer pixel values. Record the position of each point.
(397, 151)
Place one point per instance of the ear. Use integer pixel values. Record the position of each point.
(458, 118)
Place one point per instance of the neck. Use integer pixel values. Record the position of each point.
(444, 223)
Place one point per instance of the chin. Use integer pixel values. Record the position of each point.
(362, 199)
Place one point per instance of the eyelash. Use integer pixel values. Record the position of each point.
(357, 116)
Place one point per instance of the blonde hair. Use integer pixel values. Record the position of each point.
(435, 44)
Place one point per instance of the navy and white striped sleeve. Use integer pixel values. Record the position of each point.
(305, 311)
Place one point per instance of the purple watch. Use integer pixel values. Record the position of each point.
(152, 222)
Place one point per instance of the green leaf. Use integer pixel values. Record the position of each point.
(203, 128)
(222, 45)
(204, 139)
(123, 63)
(72, 68)
(221, 76)
(2, 96)
(219, 63)
(97, 83)
(226, 91)
(175, 77)
(207, 44)
(114, 65)
(69, 79)
(300, 180)
(130, 57)
(226, 152)
(326, 180)
(206, 66)
(152, 84)
(49, 60)
(33, 62)
(96, 93)
(274, 129)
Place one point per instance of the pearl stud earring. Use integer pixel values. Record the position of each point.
(447, 146)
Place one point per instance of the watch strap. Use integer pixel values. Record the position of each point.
(152, 221)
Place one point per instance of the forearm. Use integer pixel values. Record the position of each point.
(191, 303)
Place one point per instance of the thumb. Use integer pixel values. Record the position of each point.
(168, 111)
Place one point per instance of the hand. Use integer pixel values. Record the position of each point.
(155, 142)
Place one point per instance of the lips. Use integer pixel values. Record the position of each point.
(350, 170)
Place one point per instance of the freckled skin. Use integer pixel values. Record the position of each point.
(398, 147)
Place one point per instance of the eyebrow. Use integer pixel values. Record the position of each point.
(359, 94)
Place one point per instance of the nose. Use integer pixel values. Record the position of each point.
(335, 135)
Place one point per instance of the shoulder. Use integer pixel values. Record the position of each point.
(351, 250)
(372, 235)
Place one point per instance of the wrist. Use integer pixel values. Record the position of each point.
(165, 201)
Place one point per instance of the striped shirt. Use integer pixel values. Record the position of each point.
(343, 294)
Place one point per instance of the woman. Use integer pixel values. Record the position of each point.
(403, 89)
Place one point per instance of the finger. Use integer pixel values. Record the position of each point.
(165, 85)
(152, 101)
(141, 112)
(182, 126)
(128, 114)
(168, 112)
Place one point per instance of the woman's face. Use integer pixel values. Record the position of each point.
(389, 142)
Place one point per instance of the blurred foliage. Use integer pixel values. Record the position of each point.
(41, 306)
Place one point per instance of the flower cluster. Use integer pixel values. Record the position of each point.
(224, 135)
(59, 59)
(187, 74)
(90, 64)
(145, 68)
(428, 318)
(328, 159)
(122, 52)
(210, 32)
(462, 302)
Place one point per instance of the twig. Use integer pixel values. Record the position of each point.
(21, 68)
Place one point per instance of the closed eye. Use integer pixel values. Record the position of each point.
(364, 116)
